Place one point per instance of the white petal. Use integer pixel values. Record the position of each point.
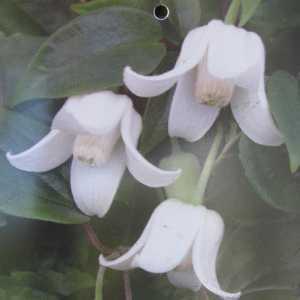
(232, 50)
(205, 252)
(94, 188)
(173, 230)
(251, 111)
(188, 118)
(97, 113)
(185, 279)
(125, 261)
(50, 152)
(139, 167)
(192, 51)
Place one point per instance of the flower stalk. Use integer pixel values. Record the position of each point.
(208, 167)
(99, 283)
(93, 239)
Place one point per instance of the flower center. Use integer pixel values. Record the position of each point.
(210, 90)
(94, 150)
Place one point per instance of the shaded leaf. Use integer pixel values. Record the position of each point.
(49, 14)
(283, 92)
(186, 14)
(266, 257)
(230, 193)
(14, 20)
(276, 15)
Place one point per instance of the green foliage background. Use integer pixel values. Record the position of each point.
(50, 50)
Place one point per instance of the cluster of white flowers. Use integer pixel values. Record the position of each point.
(218, 65)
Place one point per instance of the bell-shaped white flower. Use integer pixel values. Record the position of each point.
(101, 131)
(181, 240)
(218, 64)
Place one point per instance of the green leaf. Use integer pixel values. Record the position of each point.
(248, 9)
(49, 14)
(87, 7)
(155, 123)
(91, 52)
(15, 20)
(185, 14)
(15, 54)
(43, 196)
(268, 172)
(284, 86)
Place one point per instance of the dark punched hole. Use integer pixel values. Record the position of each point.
(161, 12)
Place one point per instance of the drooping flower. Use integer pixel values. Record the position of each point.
(181, 240)
(101, 131)
(218, 65)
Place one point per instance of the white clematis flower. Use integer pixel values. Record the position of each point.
(218, 64)
(101, 131)
(181, 240)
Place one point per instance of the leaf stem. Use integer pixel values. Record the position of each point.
(233, 12)
(127, 286)
(99, 283)
(208, 166)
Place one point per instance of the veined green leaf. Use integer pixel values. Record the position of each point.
(91, 52)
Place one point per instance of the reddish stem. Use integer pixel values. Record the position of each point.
(93, 239)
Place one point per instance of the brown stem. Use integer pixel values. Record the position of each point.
(95, 242)
(127, 286)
